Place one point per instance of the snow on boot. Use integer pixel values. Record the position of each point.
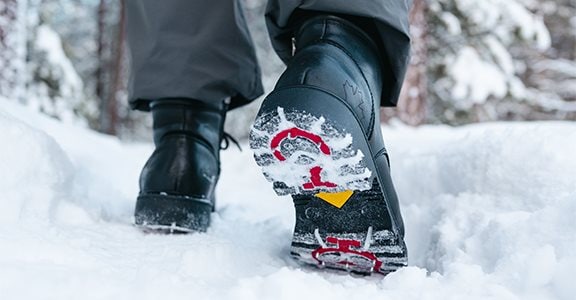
(178, 181)
(317, 137)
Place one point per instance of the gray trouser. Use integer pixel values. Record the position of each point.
(202, 49)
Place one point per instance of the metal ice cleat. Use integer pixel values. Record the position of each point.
(346, 252)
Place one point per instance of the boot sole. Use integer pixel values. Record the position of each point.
(162, 213)
(322, 159)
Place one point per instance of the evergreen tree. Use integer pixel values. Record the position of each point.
(12, 48)
(473, 74)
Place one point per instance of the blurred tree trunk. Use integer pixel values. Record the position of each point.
(102, 64)
(117, 81)
(411, 107)
(109, 74)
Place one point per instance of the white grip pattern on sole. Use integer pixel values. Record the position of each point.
(303, 153)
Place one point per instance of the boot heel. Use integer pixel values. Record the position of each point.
(320, 156)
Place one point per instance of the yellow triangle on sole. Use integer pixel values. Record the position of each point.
(336, 199)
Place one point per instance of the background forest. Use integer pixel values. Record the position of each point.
(473, 61)
(489, 208)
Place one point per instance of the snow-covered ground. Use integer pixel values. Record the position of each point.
(490, 212)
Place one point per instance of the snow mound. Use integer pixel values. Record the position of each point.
(492, 204)
(35, 172)
(489, 212)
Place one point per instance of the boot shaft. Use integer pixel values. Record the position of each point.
(351, 40)
(336, 56)
(198, 120)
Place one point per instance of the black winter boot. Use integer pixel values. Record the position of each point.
(317, 137)
(178, 181)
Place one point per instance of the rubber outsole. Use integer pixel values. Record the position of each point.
(322, 159)
(162, 213)
(164, 229)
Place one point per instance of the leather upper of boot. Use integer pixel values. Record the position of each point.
(186, 160)
(336, 56)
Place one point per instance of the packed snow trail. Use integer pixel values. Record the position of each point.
(489, 212)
